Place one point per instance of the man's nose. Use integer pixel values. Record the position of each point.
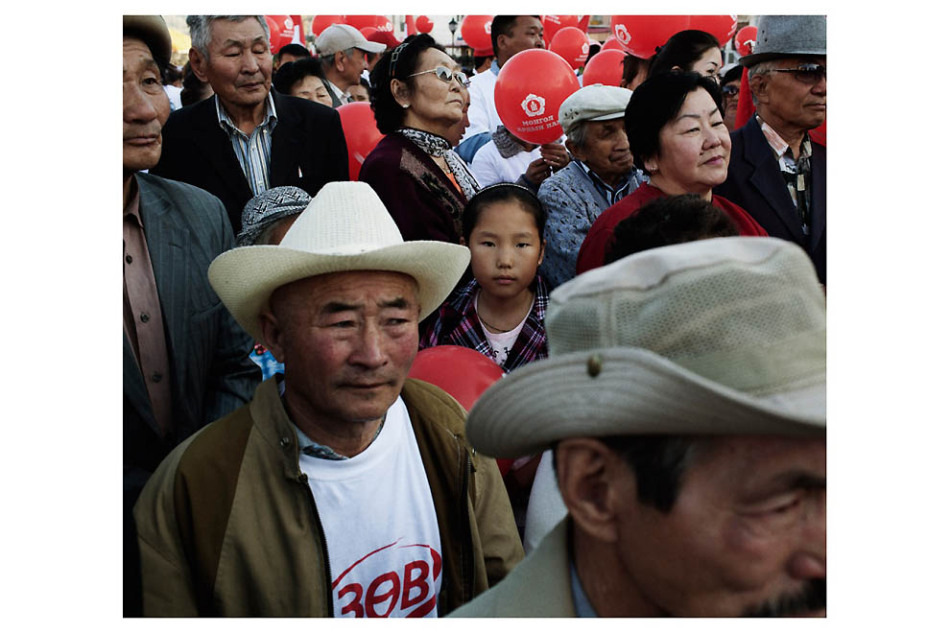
(136, 106)
(369, 349)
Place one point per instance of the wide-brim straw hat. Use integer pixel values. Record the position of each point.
(788, 36)
(723, 336)
(344, 228)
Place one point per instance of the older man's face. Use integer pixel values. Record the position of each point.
(239, 62)
(787, 101)
(746, 535)
(347, 341)
(606, 150)
(145, 107)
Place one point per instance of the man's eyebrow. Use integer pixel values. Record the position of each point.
(399, 303)
(799, 480)
(334, 307)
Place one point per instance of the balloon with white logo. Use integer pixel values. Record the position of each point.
(530, 89)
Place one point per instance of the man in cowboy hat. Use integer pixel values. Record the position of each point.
(685, 398)
(185, 360)
(343, 488)
(776, 172)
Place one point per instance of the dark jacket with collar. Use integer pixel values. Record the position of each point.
(756, 184)
(308, 150)
(228, 525)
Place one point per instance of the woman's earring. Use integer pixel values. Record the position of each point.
(405, 106)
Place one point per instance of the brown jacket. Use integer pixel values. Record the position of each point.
(228, 526)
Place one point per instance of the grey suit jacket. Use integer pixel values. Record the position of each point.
(538, 587)
(211, 372)
(756, 184)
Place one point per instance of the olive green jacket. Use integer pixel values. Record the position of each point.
(228, 526)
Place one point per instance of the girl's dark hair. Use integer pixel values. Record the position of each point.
(655, 103)
(502, 192)
(397, 63)
(683, 49)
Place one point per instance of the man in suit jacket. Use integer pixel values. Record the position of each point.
(280, 140)
(185, 360)
(776, 172)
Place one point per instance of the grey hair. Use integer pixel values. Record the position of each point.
(199, 28)
(578, 135)
(760, 69)
(326, 61)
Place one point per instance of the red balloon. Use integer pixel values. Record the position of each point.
(359, 22)
(476, 31)
(606, 67)
(554, 23)
(320, 22)
(529, 90)
(360, 131)
(423, 24)
(612, 44)
(745, 39)
(460, 371)
(583, 22)
(572, 44)
(281, 31)
(641, 34)
(722, 27)
(368, 31)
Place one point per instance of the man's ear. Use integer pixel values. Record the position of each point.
(197, 62)
(758, 85)
(338, 61)
(272, 334)
(575, 151)
(594, 482)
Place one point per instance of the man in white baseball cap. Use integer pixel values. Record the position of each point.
(343, 488)
(341, 49)
(600, 174)
(685, 398)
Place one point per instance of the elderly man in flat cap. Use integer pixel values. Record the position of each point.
(776, 172)
(343, 489)
(600, 174)
(685, 398)
(185, 360)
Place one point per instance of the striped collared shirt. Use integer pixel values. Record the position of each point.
(613, 195)
(253, 152)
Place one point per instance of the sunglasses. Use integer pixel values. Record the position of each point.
(806, 73)
(730, 91)
(445, 74)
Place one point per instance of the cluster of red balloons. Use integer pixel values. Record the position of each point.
(640, 35)
(281, 31)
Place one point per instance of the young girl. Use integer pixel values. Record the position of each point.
(500, 312)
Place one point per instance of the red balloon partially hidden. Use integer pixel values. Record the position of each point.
(368, 31)
(530, 89)
(320, 22)
(460, 371)
(721, 27)
(612, 44)
(361, 133)
(745, 39)
(606, 67)
(476, 30)
(642, 34)
(423, 24)
(359, 22)
(552, 24)
(572, 44)
(281, 31)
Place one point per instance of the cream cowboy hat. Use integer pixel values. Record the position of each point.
(724, 336)
(344, 228)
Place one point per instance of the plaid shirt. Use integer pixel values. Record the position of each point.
(456, 323)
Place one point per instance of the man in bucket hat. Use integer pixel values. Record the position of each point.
(685, 398)
(343, 488)
(776, 172)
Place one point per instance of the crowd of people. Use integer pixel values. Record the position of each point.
(651, 286)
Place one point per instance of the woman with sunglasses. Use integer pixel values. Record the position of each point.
(418, 96)
(676, 135)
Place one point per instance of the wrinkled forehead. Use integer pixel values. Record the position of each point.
(360, 287)
(248, 29)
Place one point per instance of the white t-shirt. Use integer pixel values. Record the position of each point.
(482, 116)
(501, 343)
(490, 168)
(380, 524)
